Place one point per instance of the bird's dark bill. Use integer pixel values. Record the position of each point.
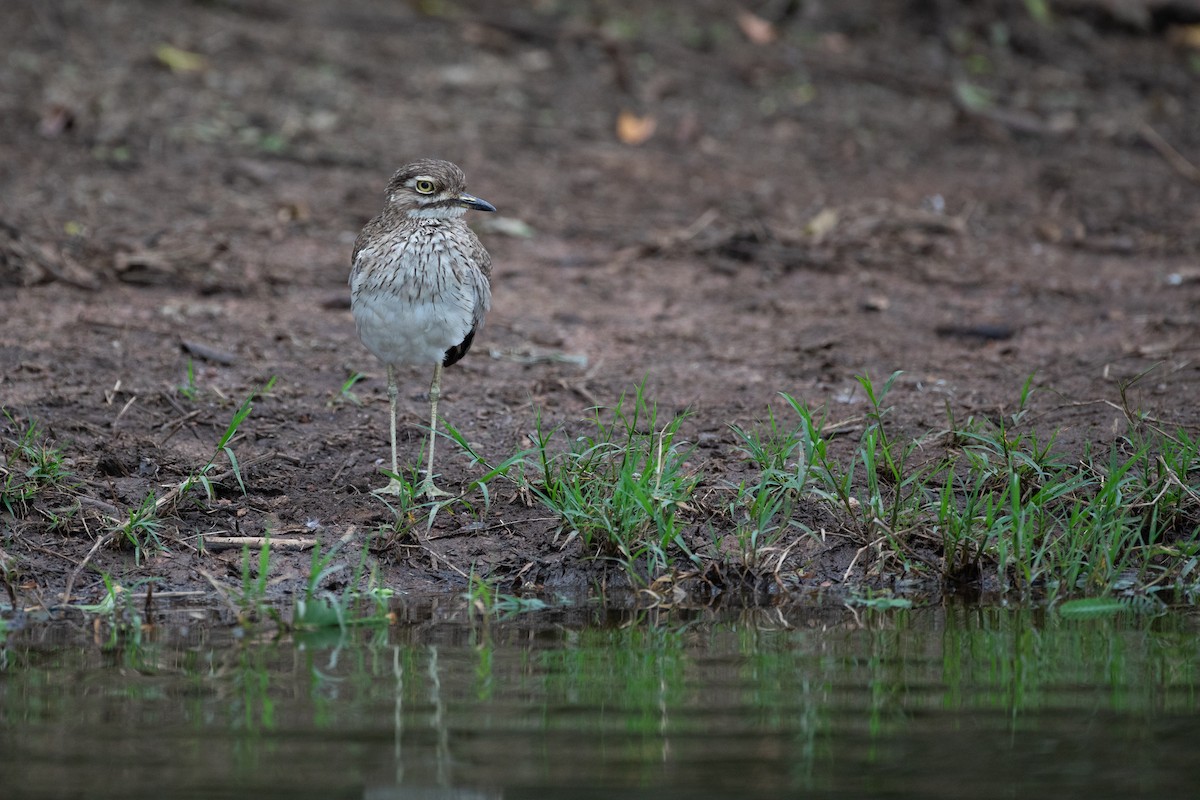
(471, 201)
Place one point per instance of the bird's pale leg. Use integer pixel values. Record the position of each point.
(394, 486)
(435, 393)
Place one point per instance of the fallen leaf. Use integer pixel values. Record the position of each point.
(297, 211)
(1185, 36)
(756, 29)
(820, 225)
(634, 130)
(177, 60)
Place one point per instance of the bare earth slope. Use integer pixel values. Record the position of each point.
(967, 195)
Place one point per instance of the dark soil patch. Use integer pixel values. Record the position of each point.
(828, 204)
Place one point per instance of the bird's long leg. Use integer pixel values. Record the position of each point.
(393, 393)
(435, 393)
(394, 486)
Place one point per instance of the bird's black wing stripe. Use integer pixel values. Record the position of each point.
(459, 350)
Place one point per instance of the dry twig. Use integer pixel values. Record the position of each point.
(1173, 157)
(256, 543)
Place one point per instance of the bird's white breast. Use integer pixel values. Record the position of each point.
(413, 297)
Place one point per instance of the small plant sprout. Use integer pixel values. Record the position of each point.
(251, 599)
(118, 610)
(142, 529)
(29, 465)
(511, 469)
(763, 510)
(362, 600)
(205, 475)
(485, 600)
(346, 394)
(188, 388)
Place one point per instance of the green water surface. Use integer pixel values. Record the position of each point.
(924, 703)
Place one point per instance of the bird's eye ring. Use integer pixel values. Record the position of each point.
(424, 186)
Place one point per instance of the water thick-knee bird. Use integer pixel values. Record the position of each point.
(420, 283)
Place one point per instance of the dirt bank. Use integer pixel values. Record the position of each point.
(724, 206)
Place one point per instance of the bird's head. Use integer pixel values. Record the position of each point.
(432, 189)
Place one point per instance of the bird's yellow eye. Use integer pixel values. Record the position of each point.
(424, 186)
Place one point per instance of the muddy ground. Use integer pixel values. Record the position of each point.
(725, 201)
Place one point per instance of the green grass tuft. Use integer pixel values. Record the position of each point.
(994, 497)
(622, 486)
(30, 465)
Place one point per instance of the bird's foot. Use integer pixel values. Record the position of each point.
(431, 492)
(394, 488)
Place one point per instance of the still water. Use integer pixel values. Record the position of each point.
(924, 703)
